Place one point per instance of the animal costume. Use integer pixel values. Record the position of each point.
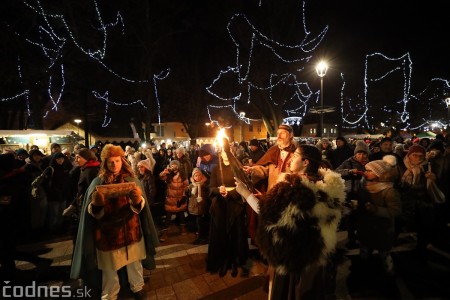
(297, 232)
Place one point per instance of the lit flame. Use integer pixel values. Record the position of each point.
(219, 138)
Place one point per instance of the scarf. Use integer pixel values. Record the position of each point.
(412, 173)
(377, 186)
(197, 188)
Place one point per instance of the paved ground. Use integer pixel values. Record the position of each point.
(180, 273)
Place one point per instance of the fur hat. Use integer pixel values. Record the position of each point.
(361, 146)
(286, 127)
(110, 150)
(147, 163)
(181, 150)
(254, 142)
(384, 168)
(325, 140)
(416, 148)
(87, 154)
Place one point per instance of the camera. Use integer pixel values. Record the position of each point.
(171, 170)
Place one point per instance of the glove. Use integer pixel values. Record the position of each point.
(135, 196)
(241, 188)
(97, 199)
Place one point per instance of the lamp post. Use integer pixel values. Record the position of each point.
(207, 128)
(78, 121)
(321, 69)
(447, 101)
(241, 116)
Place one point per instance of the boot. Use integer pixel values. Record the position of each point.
(164, 236)
(183, 230)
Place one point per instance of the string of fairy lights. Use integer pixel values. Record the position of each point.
(52, 41)
(54, 33)
(354, 112)
(241, 70)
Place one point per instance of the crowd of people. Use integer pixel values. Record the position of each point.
(120, 204)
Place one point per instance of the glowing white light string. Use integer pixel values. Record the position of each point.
(105, 97)
(243, 66)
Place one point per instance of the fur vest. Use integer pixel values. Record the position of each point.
(299, 220)
(119, 226)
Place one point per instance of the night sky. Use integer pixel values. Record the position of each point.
(191, 39)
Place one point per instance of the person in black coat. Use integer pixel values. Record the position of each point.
(342, 152)
(228, 245)
(256, 151)
(15, 188)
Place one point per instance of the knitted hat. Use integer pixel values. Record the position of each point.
(383, 168)
(22, 151)
(286, 127)
(87, 154)
(416, 148)
(59, 155)
(110, 150)
(146, 163)
(254, 142)
(361, 146)
(174, 162)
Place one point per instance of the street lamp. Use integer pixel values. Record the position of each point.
(241, 116)
(321, 69)
(78, 121)
(447, 101)
(207, 128)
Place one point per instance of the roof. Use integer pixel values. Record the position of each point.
(35, 132)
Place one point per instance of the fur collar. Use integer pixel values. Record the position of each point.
(299, 220)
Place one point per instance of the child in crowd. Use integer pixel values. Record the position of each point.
(199, 204)
(378, 206)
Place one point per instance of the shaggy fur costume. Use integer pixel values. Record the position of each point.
(299, 220)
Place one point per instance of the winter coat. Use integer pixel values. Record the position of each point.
(176, 188)
(297, 234)
(148, 181)
(84, 263)
(228, 234)
(351, 180)
(270, 166)
(256, 155)
(198, 206)
(340, 154)
(376, 230)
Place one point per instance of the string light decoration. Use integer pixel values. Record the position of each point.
(240, 74)
(357, 115)
(105, 97)
(53, 34)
